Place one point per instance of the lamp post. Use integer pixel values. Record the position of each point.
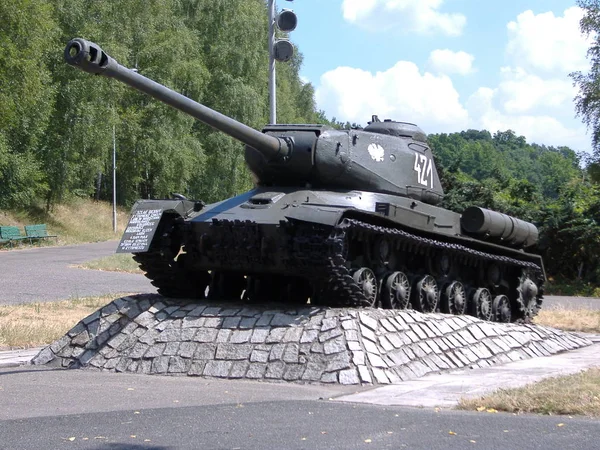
(279, 50)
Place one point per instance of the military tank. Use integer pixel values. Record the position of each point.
(338, 217)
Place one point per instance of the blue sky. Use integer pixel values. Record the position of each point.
(447, 65)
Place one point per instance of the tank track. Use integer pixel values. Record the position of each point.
(319, 254)
(348, 293)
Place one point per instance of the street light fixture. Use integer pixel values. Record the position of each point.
(279, 50)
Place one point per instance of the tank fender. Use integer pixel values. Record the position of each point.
(144, 221)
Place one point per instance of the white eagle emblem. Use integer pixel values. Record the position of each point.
(377, 152)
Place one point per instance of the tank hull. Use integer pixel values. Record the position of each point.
(314, 242)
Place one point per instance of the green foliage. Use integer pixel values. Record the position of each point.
(587, 102)
(544, 185)
(56, 123)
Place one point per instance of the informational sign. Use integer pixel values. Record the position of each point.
(140, 231)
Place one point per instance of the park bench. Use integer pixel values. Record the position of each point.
(38, 231)
(9, 235)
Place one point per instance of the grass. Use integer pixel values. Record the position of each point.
(75, 222)
(581, 320)
(568, 395)
(119, 262)
(36, 324)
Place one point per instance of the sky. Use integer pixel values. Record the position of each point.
(447, 65)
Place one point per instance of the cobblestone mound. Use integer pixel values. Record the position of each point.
(152, 335)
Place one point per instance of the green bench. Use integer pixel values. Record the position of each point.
(38, 231)
(9, 235)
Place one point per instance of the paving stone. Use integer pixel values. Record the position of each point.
(206, 335)
(197, 368)
(275, 370)
(329, 378)
(193, 322)
(187, 349)
(349, 324)
(385, 344)
(213, 322)
(205, 351)
(177, 364)
(291, 353)
(367, 333)
(171, 348)
(218, 369)
(240, 336)
(358, 358)
(264, 320)
(276, 352)
(336, 362)
(223, 336)
(349, 377)
(293, 335)
(248, 323)
(317, 347)
(334, 346)
(293, 372)
(309, 336)
(371, 347)
(368, 321)
(354, 346)
(160, 365)
(259, 356)
(138, 350)
(256, 371)
(365, 375)
(283, 320)
(314, 371)
(155, 350)
(329, 324)
(233, 351)
(259, 335)
(276, 335)
(239, 369)
(376, 361)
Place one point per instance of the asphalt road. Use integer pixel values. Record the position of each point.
(119, 411)
(46, 274)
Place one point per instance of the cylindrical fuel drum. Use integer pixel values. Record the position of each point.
(510, 229)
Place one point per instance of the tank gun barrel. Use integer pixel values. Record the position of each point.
(90, 58)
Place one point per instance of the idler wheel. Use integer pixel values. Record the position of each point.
(529, 291)
(367, 281)
(425, 294)
(481, 305)
(454, 299)
(395, 292)
(501, 309)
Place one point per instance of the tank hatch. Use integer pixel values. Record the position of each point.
(399, 129)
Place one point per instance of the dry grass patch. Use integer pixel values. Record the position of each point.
(582, 320)
(119, 262)
(569, 395)
(36, 324)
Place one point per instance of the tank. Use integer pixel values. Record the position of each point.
(344, 218)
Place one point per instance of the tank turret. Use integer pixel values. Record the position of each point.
(386, 157)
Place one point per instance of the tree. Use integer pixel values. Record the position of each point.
(587, 101)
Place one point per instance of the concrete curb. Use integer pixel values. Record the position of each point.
(447, 389)
(16, 358)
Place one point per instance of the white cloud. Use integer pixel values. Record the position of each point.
(401, 93)
(548, 43)
(541, 128)
(420, 16)
(449, 62)
(522, 92)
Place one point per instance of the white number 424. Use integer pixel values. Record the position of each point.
(424, 169)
